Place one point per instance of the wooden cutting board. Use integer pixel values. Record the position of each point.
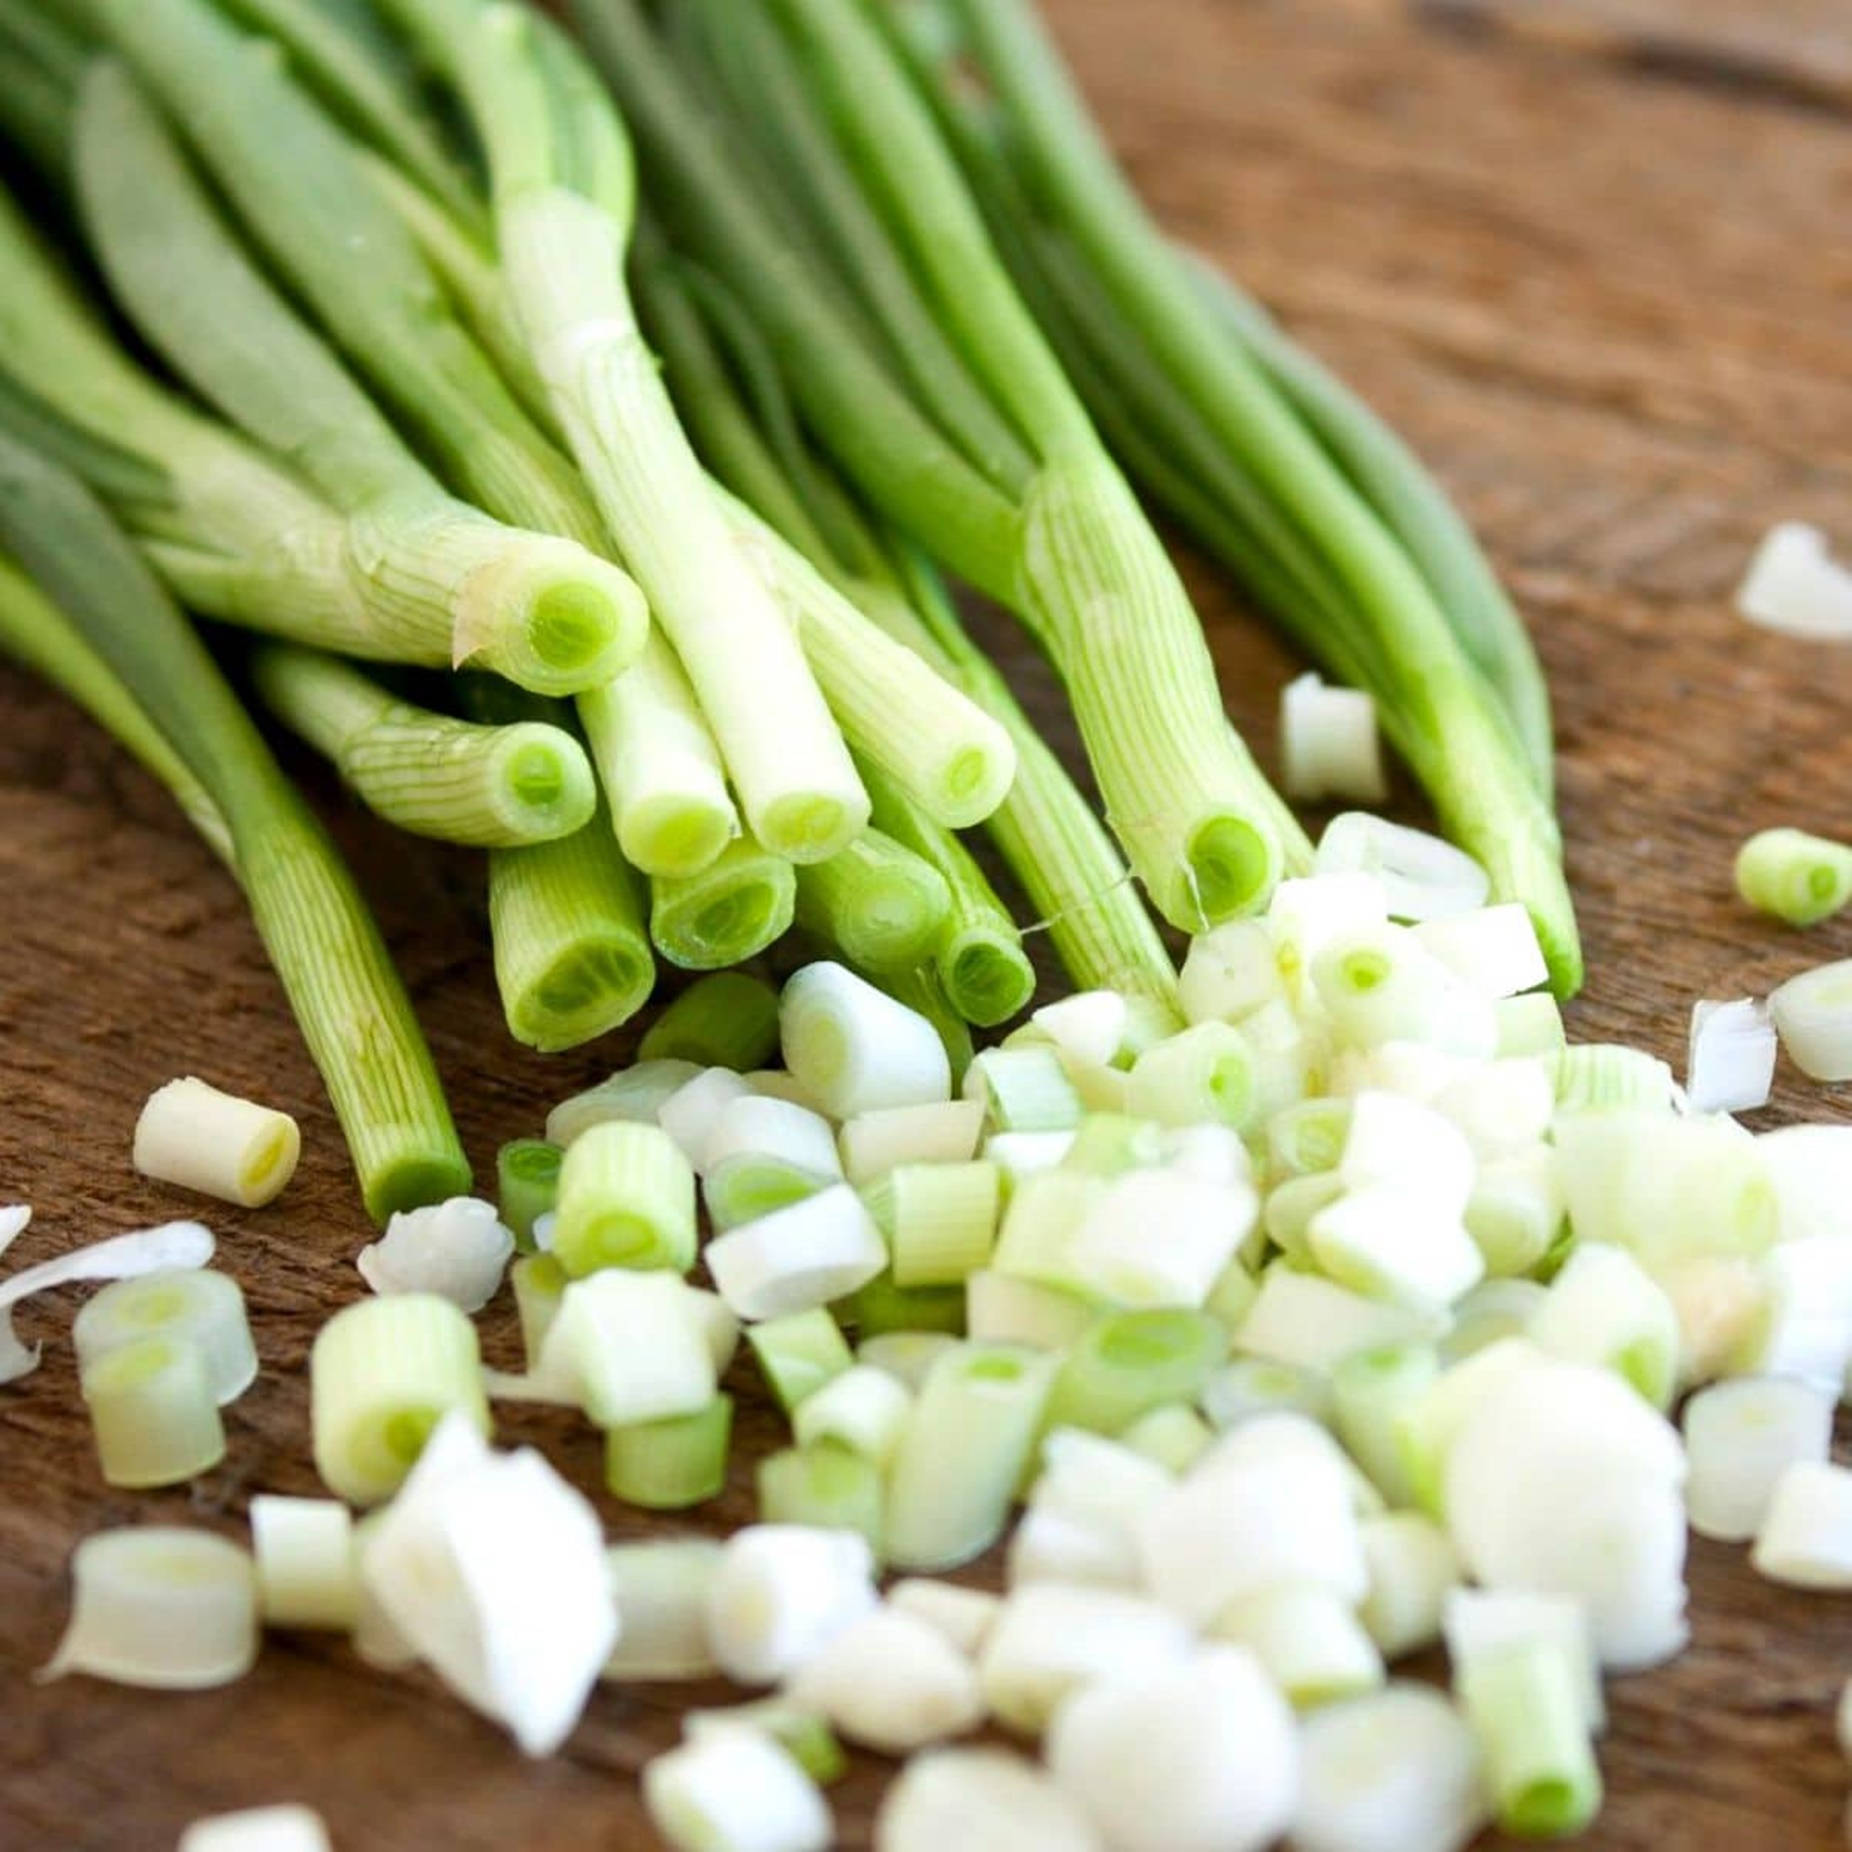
(1602, 279)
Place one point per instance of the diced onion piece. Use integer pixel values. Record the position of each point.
(1051, 1546)
(1516, 1210)
(1230, 972)
(1251, 1386)
(1423, 877)
(979, 1800)
(1202, 1076)
(1089, 1027)
(1528, 1025)
(946, 1132)
(192, 1134)
(1604, 1308)
(1023, 1090)
(1793, 876)
(783, 1592)
(692, 1112)
(1308, 912)
(963, 1617)
(306, 1574)
(1805, 1537)
(662, 1588)
(1813, 1016)
(1379, 984)
(153, 1415)
(1794, 585)
(121, 1257)
(1526, 1708)
(1049, 1640)
(456, 1249)
(634, 1094)
(626, 1199)
(735, 1791)
(1413, 1566)
(1199, 1755)
(1173, 1434)
(763, 1154)
(966, 1442)
(1493, 951)
(1479, 1623)
(382, 1375)
(891, 1682)
(1731, 1063)
(1371, 1391)
(1328, 743)
(1002, 1309)
(160, 1607)
(940, 1220)
(1562, 1480)
(283, 1828)
(1387, 1242)
(1112, 1255)
(1398, 1141)
(671, 1461)
(1740, 1437)
(1231, 1531)
(493, 1569)
(855, 1048)
(1310, 1641)
(823, 1487)
(907, 1356)
(191, 1305)
(799, 1257)
(862, 1408)
(799, 1353)
(1301, 1319)
(633, 1346)
(1395, 1771)
(1293, 1435)
(804, 1735)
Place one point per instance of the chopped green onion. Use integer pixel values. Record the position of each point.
(527, 1174)
(1795, 877)
(284, 1828)
(1000, 1308)
(857, 1049)
(1604, 1308)
(1805, 1537)
(661, 1588)
(1494, 951)
(963, 1450)
(1328, 743)
(798, 1354)
(827, 1487)
(907, 1356)
(1813, 1015)
(727, 1020)
(1252, 1386)
(1370, 1392)
(539, 1283)
(352, 1010)
(874, 1143)
(764, 1154)
(862, 1409)
(1311, 1643)
(1482, 1623)
(673, 1461)
(803, 1735)
(1024, 1090)
(160, 1607)
(190, 1305)
(1730, 1064)
(634, 1094)
(1232, 1296)
(880, 1306)
(892, 1683)
(424, 772)
(782, 1590)
(882, 904)
(382, 1375)
(153, 1414)
(940, 1220)
(1740, 1437)
(1412, 1568)
(1202, 1076)
(1540, 1769)
(192, 1134)
(1494, 1309)
(1385, 1243)
(458, 1249)
(1314, 1323)
(735, 1791)
(1424, 877)
(634, 1346)
(1108, 1144)
(1606, 1077)
(1129, 1363)
(731, 911)
(1173, 1434)
(306, 1575)
(978, 1797)
(963, 1616)
(1531, 1024)
(1230, 973)
(626, 1199)
(1516, 1211)
(691, 1113)
(804, 1255)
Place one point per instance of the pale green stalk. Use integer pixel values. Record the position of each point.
(882, 904)
(729, 912)
(428, 773)
(353, 1013)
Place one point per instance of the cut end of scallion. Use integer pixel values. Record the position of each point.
(593, 985)
(1232, 869)
(729, 912)
(675, 833)
(552, 617)
(544, 783)
(811, 826)
(988, 977)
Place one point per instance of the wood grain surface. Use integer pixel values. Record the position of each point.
(1609, 294)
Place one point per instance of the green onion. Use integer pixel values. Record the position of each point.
(1308, 1639)
(539, 1283)
(626, 1199)
(306, 1570)
(635, 1346)
(661, 1589)
(824, 1485)
(1044, 828)
(540, 609)
(733, 1791)
(673, 1462)
(804, 1736)
(1173, 1434)
(191, 1306)
(772, 1154)
(880, 1306)
(731, 911)
(1371, 1390)
(633, 1093)
(965, 1447)
(1202, 1076)
(1128, 1363)
(728, 1020)
(1024, 1090)
(1609, 1077)
(863, 1409)
(1002, 1308)
(527, 1185)
(1262, 1386)
(564, 202)
(382, 1375)
(1813, 1016)
(978, 952)
(347, 999)
(1051, 528)
(881, 904)
(939, 1220)
(425, 772)
(799, 1353)
(153, 1414)
(1526, 1710)
(1795, 877)
(194, 1135)
(1298, 511)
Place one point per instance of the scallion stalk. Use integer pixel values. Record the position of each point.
(1796, 877)
(673, 1462)
(352, 1010)
(729, 912)
(727, 1020)
(527, 1185)
(880, 903)
(826, 1486)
